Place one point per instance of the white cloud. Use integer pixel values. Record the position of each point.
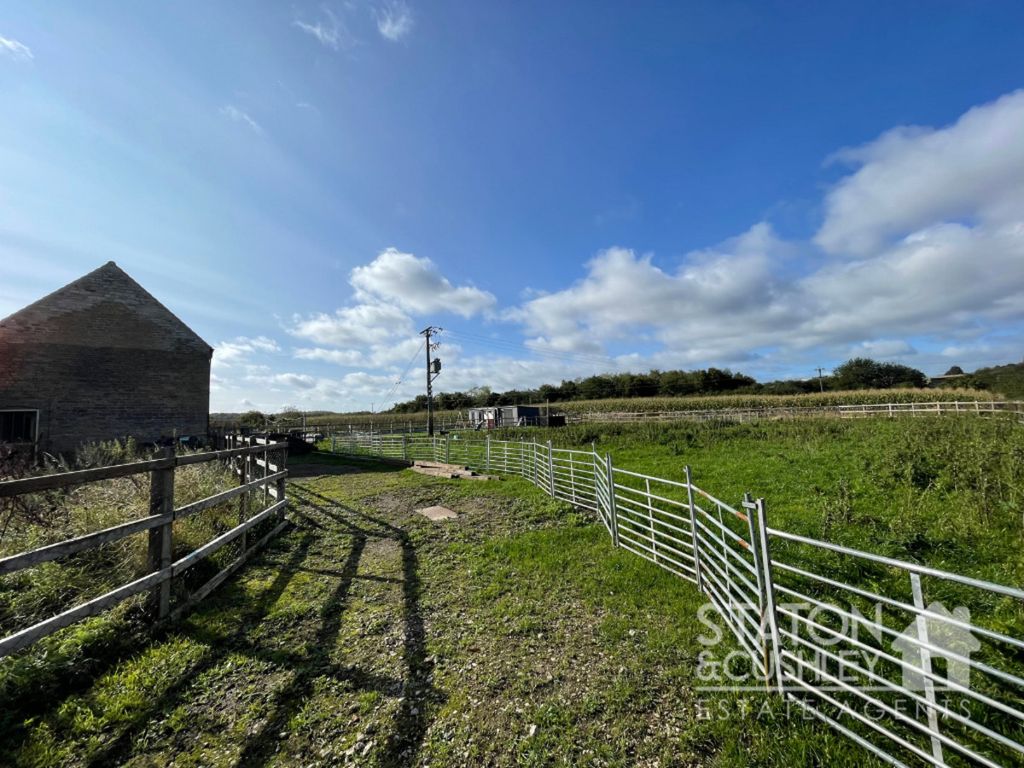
(346, 357)
(394, 21)
(415, 284)
(294, 380)
(329, 31)
(326, 36)
(882, 349)
(230, 352)
(15, 49)
(355, 327)
(707, 304)
(910, 178)
(925, 239)
(377, 333)
(239, 116)
(722, 305)
(396, 351)
(935, 281)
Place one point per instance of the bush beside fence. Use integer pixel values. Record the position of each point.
(259, 463)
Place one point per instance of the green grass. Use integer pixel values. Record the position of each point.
(513, 635)
(690, 403)
(812, 399)
(945, 491)
(28, 596)
(36, 520)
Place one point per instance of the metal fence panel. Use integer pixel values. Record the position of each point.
(874, 643)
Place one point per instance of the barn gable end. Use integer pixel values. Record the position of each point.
(105, 308)
(99, 359)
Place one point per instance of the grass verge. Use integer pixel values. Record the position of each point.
(512, 635)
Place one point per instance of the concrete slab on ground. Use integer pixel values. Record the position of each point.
(437, 513)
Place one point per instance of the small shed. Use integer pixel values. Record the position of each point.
(496, 416)
(101, 359)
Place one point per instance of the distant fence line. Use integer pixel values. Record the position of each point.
(848, 411)
(778, 594)
(392, 425)
(258, 462)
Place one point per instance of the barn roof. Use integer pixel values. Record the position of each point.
(105, 308)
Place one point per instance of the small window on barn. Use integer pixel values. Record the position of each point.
(18, 426)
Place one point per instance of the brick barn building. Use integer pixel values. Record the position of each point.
(100, 359)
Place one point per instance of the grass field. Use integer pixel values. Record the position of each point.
(813, 399)
(666, 404)
(514, 635)
(946, 491)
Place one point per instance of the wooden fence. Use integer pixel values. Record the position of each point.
(755, 414)
(395, 426)
(258, 463)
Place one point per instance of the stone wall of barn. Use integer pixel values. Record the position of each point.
(85, 394)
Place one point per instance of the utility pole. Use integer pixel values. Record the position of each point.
(433, 371)
(821, 383)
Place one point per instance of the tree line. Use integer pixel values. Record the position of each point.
(858, 373)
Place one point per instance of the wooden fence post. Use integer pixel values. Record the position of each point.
(282, 465)
(248, 474)
(243, 499)
(266, 474)
(161, 538)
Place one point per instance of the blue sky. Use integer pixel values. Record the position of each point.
(566, 188)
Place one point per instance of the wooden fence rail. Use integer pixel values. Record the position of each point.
(963, 407)
(394, 426)
(257, 472)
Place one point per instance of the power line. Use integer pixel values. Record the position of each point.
(402, 377)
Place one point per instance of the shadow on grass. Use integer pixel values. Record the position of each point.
(416, 693)
(325, 463)
(118, 750)
(318, 517)
(406, 737)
